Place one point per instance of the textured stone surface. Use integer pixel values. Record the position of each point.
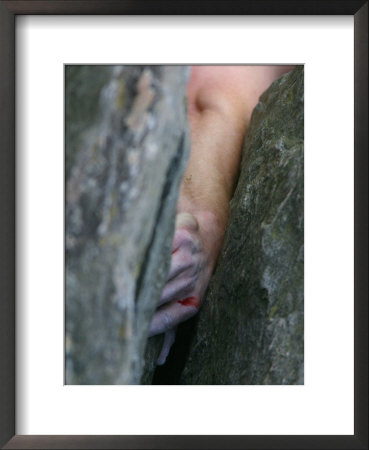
(250, 328)
(126, 147)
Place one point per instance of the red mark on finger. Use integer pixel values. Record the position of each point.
(190, 301)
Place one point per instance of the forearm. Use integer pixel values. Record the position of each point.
(220, 103)
(208, 182)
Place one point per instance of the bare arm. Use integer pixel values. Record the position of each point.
(220, 103)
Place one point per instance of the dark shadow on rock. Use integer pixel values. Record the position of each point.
(170, 373)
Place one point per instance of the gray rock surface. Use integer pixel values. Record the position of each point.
(250, 328)
(126, 147)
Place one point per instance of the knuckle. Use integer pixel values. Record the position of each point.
(186, 259)
(187, 240)
(192, 282)
(195, 269)
(184, 236)
(183, 260)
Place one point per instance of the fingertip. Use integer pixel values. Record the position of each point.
(169, 339)
(154, 327)
(161, 361)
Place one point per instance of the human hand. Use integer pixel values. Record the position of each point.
(193, 258)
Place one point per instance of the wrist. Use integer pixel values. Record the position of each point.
(210, 224)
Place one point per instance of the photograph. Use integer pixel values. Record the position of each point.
(184, 224)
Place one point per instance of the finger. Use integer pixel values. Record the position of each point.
(180, 262)
(186, 239)
(177, 288)
(169, 316)
(169, 339)
(186, 225)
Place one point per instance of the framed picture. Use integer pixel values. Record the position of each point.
(217, 420)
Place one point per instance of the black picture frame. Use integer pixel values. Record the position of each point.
(8, 11)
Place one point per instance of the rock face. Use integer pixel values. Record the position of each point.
(250, 328)
(126, 147)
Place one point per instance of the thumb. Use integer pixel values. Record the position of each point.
(187, 220)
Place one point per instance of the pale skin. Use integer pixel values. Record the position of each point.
(220, 103)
